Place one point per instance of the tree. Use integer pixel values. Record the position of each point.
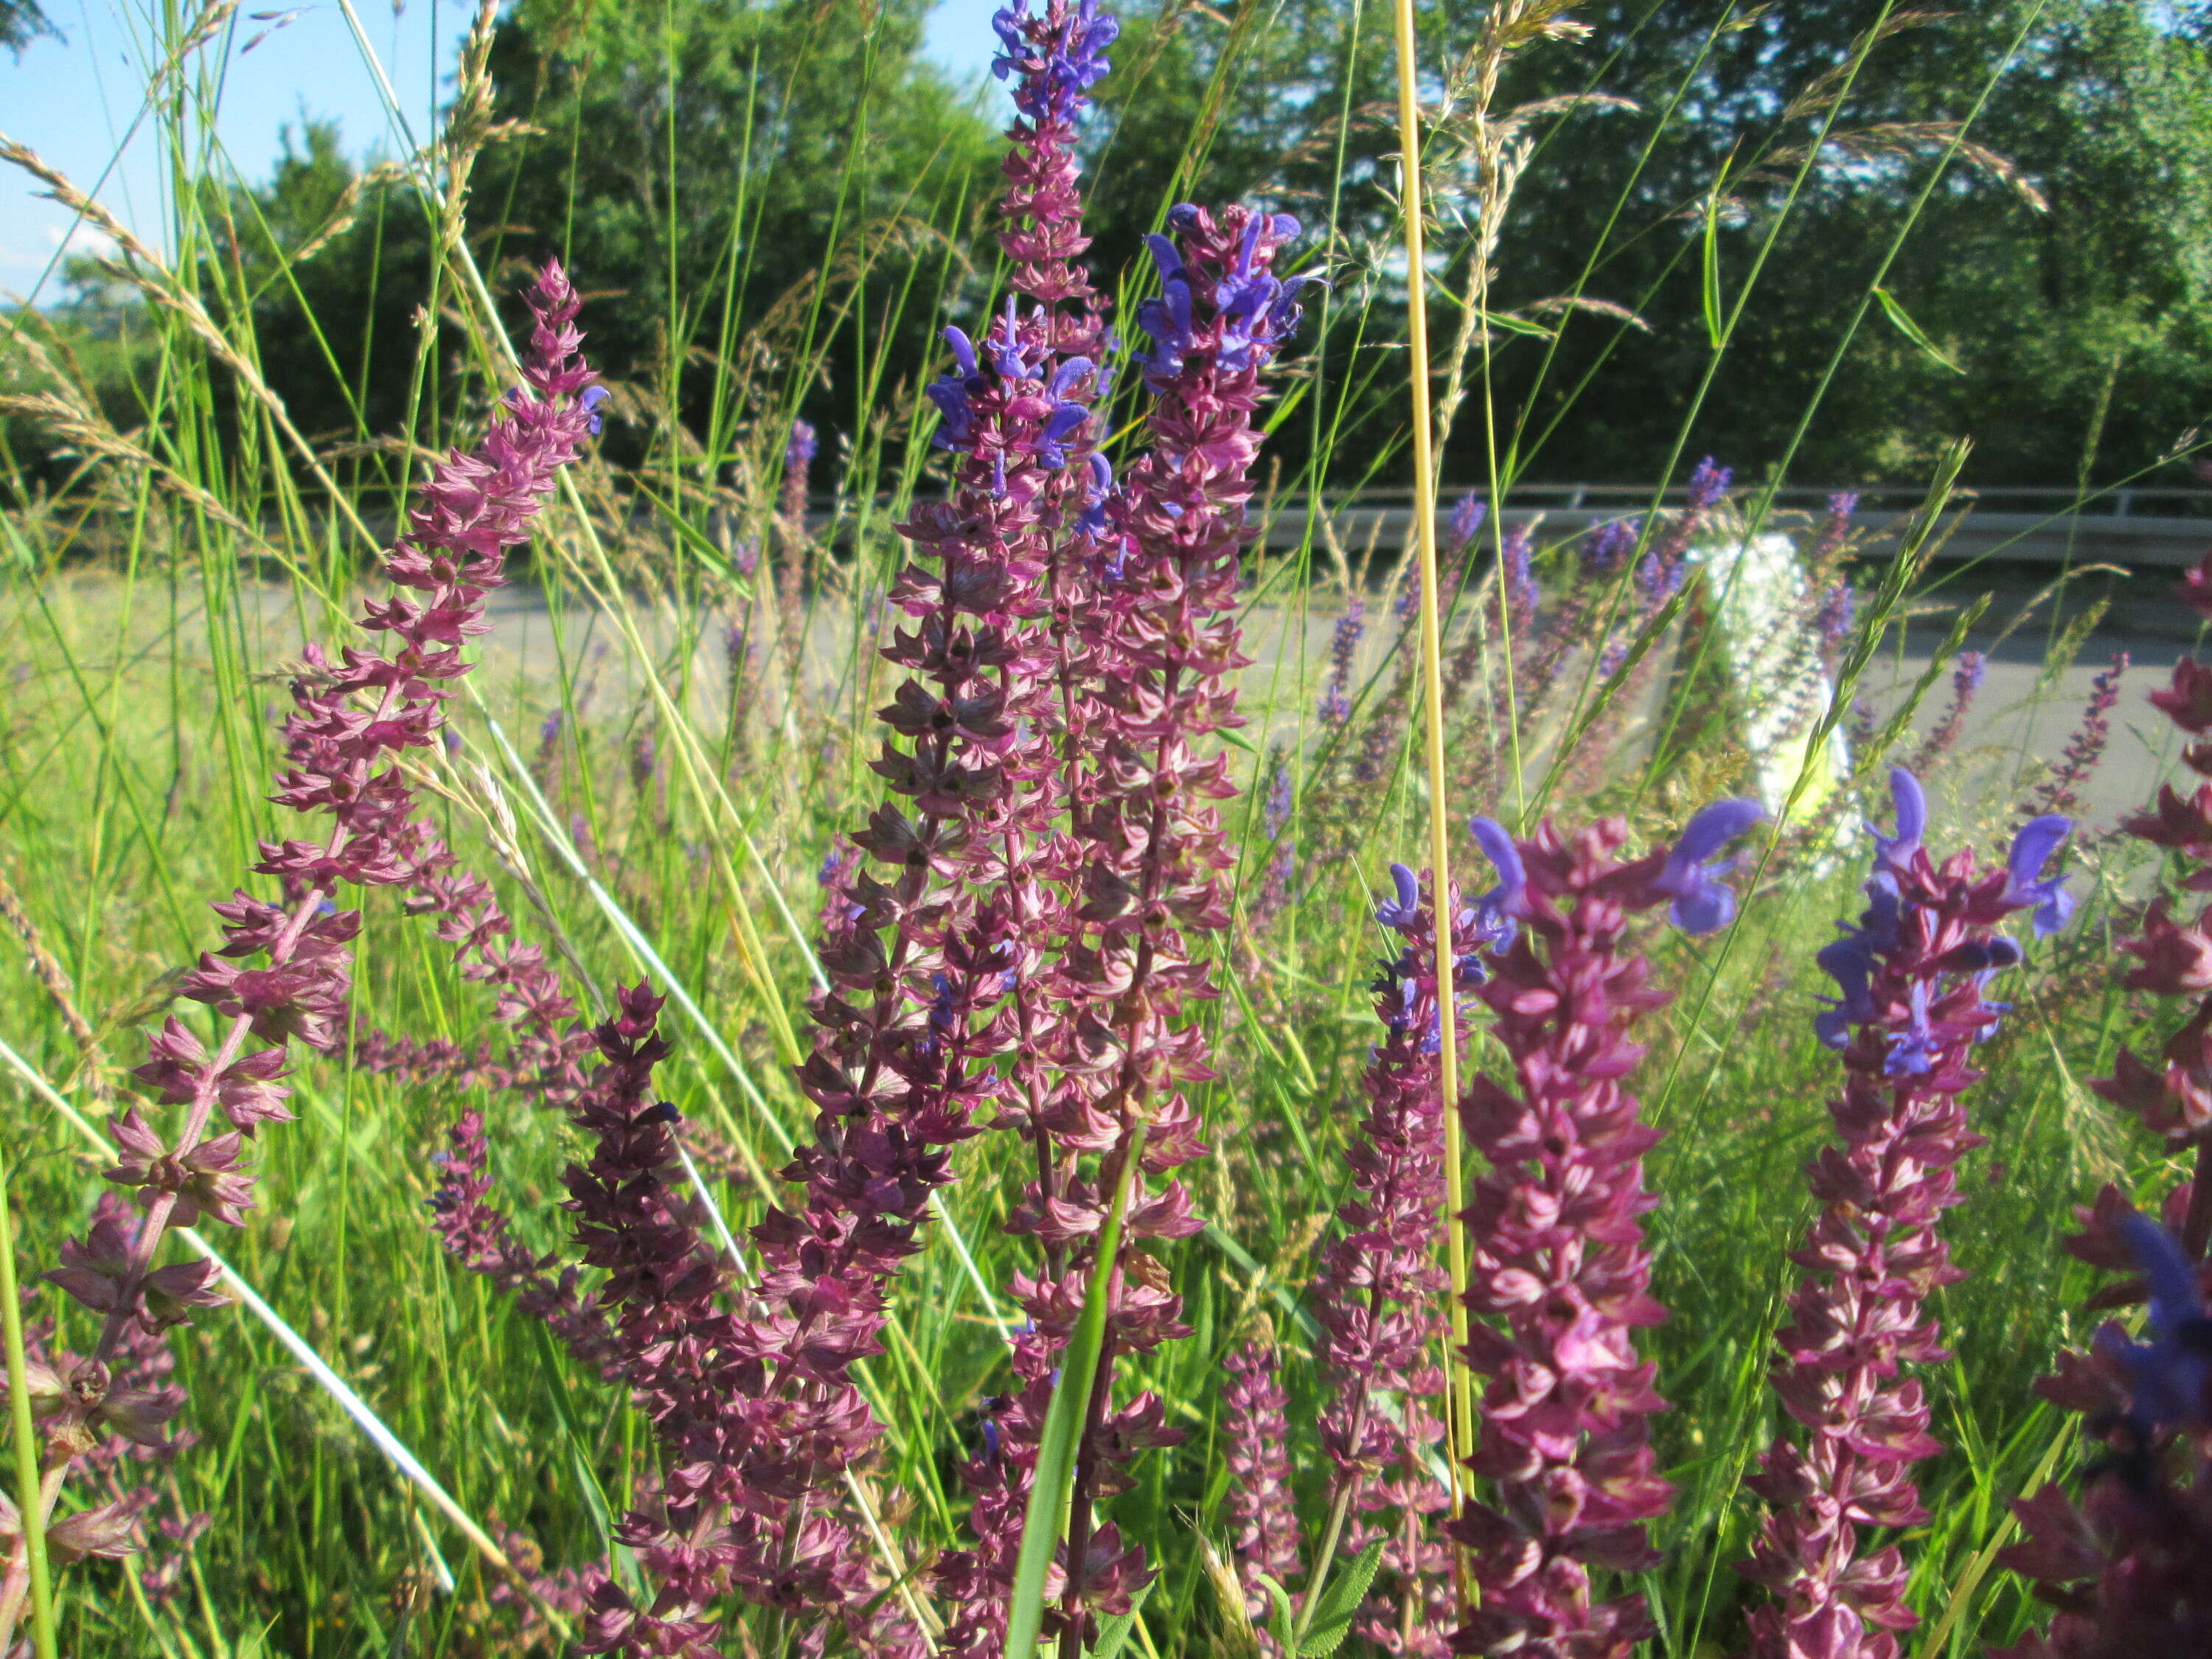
(22, 23)
(774, 176)
(2093, 302)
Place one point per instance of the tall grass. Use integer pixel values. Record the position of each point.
(664, 735)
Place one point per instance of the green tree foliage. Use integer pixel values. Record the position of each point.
(22, 22)
(778, 202)
(2084, 316)
(766, 186)
(753, 183)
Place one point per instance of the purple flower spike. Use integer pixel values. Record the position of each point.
(1911, 973)
(1559, 1275)
(1521, 593)
(1496, 910)
(1701, 903)
(1343, 650)
(1708, 483)
(1912, 803)
(1466, 522)
(283, 974)
(1049, 84)
(1605, 547)
(1399, 913)
(2031, 850)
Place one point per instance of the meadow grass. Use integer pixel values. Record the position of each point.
(680, 804)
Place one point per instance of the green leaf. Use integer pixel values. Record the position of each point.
(1911, 330)
(1052, 1481)
(1339, 1604)
(1280, 1624)
(1114, 1633)
(1344, 1594)
(1512, 324)
(1711, 284)
(690, 536)
(555, 1389)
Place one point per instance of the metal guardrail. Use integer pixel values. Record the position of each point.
(2014, 525)
(2124, 501)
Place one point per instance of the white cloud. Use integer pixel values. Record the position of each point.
(80, 238)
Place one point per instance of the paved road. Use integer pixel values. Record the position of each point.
(2016, 720)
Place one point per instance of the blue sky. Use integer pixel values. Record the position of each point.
(75, 101)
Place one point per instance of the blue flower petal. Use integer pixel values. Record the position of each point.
(1497, 908)
(1911, 804)
(1400, 914)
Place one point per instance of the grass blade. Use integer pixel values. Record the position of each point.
(377, 1432)
(1052, 1481)
(28, 1502)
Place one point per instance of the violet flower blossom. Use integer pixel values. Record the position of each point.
(1604, 546)
(1565, 1449)
(1466, 522)
(1660, 576)
(1032, 504)
(1275, 816)
(352, 719)
(2085, 750)
(1166, 640)
(1261, 1509)
(1401, 910)
(1379, 1295)
(1702, 903)
(1460, 529)
(1913, 971)
(798, 465)
(1274, 894)
(1521, 593)
(1602, 550)
(1708, 483)
(1965, 684)
(2169, 1377)
(2126, 1569)
(1835, 533)
(1664, 569)
(1343, 652)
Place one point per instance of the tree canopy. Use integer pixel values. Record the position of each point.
(1908, 227)
(21, 22)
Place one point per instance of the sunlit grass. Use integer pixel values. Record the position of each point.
(691, 790)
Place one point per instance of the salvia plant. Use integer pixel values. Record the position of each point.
(1059, 899)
